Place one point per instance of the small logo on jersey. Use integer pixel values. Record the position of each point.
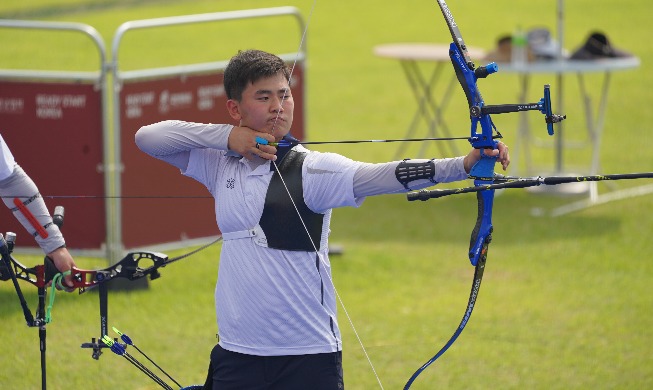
(231, 183)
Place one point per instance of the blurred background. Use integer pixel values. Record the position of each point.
(564, 292)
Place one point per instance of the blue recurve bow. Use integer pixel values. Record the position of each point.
(483, 171)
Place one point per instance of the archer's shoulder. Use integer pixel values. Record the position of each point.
(328, 160)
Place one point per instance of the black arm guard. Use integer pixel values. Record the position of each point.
(411, 171)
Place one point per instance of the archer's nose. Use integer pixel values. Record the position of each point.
(277, 105)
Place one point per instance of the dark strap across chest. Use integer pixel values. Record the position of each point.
(280, 220)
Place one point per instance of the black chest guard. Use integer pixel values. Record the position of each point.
(280, 223)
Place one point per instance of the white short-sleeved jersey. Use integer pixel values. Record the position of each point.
(270, 301)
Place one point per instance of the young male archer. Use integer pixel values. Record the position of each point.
(275, 300)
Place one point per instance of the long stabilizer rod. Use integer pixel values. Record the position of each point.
(513, 182)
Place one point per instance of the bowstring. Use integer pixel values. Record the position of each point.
(276, 167)
(342, 304)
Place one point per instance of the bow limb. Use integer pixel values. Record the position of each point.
(478, 249)
(476, 285)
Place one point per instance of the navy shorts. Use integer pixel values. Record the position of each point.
(236, 371)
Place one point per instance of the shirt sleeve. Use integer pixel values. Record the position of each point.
(173, 141)
(203, 166)
(328, 181)
(331, 180)
(377, 179)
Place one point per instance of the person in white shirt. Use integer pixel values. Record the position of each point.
(16, 184)
(275, 301)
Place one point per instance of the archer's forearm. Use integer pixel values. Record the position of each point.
(20, 186)
(376, 179)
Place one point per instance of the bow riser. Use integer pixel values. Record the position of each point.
(483, 170)
(129, 267)
(484, 139)
(467, 78)
(39, 275)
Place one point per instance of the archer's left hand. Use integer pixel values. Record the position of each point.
(64, 262)
(501, 152)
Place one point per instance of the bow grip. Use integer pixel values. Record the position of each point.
(49, 269)
(482, 233)
(483, 173)
(130, 267)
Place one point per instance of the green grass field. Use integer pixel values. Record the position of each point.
(565, 301)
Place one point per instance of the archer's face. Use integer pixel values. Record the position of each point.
(266, 106)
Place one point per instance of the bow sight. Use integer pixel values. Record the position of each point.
(468, 74)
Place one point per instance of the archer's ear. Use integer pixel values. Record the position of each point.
(234, 109)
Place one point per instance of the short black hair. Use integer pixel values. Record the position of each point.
(249, 66)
